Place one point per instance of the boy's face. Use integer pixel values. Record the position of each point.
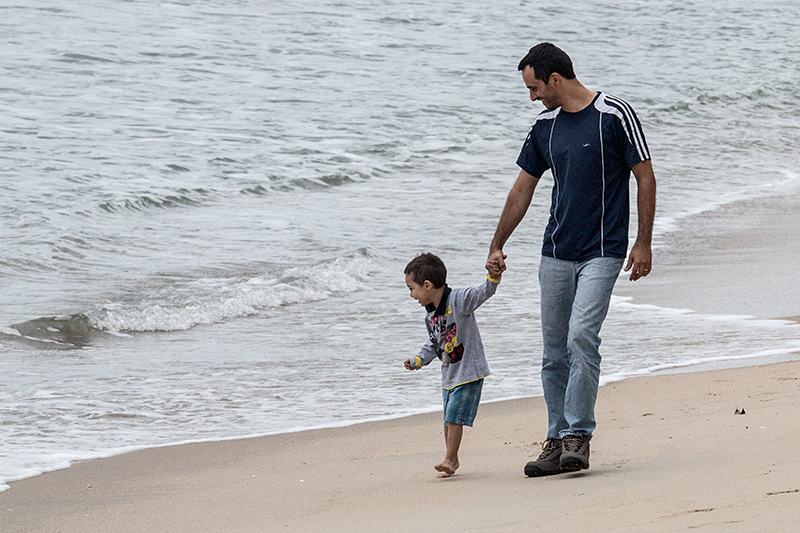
(421, 293)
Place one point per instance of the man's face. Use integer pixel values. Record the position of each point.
(546, 92)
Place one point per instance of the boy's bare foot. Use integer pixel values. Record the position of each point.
(446, 469)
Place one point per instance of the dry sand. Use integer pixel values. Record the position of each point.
(669, 455)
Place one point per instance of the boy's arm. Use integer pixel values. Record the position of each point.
(470, 298)
(426, 354)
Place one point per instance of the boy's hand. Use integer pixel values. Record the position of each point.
(494, 270)
(409, 365)
(495, 264)
(496, 261)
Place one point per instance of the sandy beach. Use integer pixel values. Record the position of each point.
(742, 264)
(670, 454)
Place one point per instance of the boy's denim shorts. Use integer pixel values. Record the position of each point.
(461, 403)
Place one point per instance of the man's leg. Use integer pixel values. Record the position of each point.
(596, 279)
(557, 286)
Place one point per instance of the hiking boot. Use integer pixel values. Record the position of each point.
(574, 453)
(547, 463)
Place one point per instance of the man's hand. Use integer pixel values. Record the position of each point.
(496, 263)
(640, 261)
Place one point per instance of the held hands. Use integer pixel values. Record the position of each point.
(496, 263)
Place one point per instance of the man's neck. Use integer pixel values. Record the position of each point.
(576, 97)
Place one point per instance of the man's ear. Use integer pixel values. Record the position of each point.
(555, 79)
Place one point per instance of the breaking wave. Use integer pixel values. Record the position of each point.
(182, 306)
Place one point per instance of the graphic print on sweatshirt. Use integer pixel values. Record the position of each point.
(444, 337)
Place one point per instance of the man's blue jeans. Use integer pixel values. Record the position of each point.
(575, 297)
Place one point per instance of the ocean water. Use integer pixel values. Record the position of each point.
(206, 208)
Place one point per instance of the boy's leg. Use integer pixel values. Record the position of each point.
(460, 409)
(452, 437)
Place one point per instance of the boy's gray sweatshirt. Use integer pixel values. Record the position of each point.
(454, 337)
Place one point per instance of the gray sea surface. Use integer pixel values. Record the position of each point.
(206, 207)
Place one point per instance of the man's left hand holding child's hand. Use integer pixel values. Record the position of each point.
(494, 271)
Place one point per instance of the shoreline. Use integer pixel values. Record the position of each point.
(738, 260)
(329, 478)
(669, 454)
(724, 363)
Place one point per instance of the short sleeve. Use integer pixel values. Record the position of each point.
(530, 158)
(631, 136)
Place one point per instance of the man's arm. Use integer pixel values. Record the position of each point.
(640, 260)
(517, 203)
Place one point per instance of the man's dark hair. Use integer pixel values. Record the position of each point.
(546, 58)
(427, 267)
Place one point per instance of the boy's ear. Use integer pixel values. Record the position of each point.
(427, 285)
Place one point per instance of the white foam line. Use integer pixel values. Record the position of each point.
(214, 300)
(792, 348)
(670, 223)
(626, 302)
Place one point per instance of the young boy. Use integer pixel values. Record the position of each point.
(453, 337)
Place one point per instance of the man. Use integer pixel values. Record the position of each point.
(591, 142)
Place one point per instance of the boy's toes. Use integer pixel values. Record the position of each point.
(446, 469)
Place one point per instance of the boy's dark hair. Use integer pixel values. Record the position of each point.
(546, 58)
(427, 267)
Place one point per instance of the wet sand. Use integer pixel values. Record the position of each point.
(670, 454)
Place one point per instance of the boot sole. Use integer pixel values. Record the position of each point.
(573, 464)
(535, 471)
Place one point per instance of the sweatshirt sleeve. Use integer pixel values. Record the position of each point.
(426, 354)
(470, 298)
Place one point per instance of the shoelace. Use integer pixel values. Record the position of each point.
(572, 444)
(549, 446)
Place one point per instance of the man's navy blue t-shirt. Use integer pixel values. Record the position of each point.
(590, 154)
